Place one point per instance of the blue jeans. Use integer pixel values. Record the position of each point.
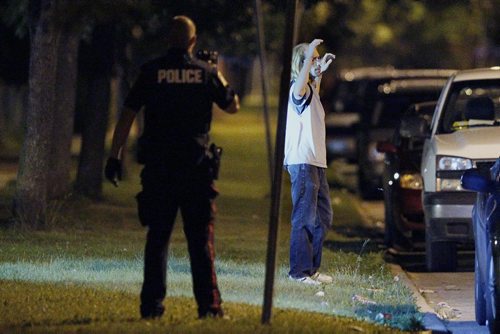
(311, 217)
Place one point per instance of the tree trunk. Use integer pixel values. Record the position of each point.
(95, 119)
(95, 122)
(30, 202)
(3, 114)
(60, 155)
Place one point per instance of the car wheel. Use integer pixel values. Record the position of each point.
(393, 235)
(480, 302)
(440, 255)
(388, 220)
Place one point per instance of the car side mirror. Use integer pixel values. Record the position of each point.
(386, 147)
(475, 181)
(414, 126)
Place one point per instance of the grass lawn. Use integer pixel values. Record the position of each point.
(83, 273)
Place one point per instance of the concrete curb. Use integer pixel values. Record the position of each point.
(432, 322)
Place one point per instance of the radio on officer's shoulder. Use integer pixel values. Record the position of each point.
(210, 57)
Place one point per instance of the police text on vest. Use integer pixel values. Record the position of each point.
(180, 76)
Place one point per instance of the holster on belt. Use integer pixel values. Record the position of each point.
(214, 155)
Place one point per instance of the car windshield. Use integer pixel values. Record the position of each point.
(471, 104)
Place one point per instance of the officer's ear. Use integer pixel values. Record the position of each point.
(192, 42)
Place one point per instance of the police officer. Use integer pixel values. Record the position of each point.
(176, 92)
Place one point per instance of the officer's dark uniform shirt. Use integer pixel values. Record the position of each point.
(177, 92)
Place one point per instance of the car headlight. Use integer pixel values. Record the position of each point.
(449, 171)
(453, 163)
(411, 181)
(448, 185)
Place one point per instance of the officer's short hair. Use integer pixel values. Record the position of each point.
(182, 29)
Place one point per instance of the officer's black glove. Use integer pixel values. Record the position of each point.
(113, 171)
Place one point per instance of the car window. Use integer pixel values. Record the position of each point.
(471, 104)
(388, 110)
(344, 98)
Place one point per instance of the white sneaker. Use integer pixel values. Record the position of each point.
(305, 280)
(322, 278)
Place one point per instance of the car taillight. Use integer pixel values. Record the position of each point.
(411, 181)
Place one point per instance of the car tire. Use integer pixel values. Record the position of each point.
(479, 297)
(388, 219)
(393, 235)
(440, 255)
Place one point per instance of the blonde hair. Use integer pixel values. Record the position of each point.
(298, 59)
(182, 30)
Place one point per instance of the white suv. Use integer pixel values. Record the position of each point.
(464, 133)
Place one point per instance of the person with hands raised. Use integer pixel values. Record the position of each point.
(305, 161)
(313, 67)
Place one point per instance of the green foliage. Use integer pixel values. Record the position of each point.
(361, 32)
(402, 33)
(229, 29)
(14, 44)
(13, 13)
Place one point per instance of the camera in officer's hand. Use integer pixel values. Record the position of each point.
(210, 57)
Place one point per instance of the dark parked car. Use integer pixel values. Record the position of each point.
(343, 106)
(379, 122)
(357, 90)
(486, 225)
(402, 182)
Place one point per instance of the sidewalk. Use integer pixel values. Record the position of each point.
(431, 321)
(446, 299)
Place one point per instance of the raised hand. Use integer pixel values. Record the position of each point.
(309, 54)
(326, 61)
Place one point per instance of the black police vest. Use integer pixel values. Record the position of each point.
(179, 103)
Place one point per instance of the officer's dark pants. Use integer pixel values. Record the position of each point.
(165, 191)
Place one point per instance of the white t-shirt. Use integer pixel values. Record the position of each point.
(305, 139)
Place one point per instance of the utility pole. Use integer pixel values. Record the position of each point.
(264, 80)
(278, 161)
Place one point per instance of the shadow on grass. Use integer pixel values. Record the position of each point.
(355, 239)
(354, 246)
